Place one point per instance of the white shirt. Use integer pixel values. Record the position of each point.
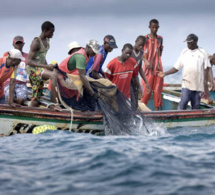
(193, 63)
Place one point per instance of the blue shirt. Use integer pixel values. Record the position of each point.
(96, 62)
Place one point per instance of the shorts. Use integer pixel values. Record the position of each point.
(35, 75)
(20, 91)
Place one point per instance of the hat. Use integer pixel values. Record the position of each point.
(94, 45)
(15, 54)
(191, 38)
(111, 41)
(18, 39)
(73, 45)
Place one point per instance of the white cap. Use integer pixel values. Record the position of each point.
(94, 45)
(15, 54)
(73, 45)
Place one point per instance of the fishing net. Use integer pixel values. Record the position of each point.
(120, 117)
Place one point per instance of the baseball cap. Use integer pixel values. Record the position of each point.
(18, 39)
(191, 38)
(15, 54)
(111, 41)
(94, 45)
(73, 45)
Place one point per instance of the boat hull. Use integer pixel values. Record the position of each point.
(24, 119)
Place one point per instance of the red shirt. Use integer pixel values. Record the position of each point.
(5, 73)
(121, 74)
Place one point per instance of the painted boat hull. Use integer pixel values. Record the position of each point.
(24, 119)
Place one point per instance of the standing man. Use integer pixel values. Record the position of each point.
(120, 70)
(138, 54)
(194, 61)
(152, 52)
(38, 69)
(94, 66)
(75, 64)
(18, 84)
(7, 67)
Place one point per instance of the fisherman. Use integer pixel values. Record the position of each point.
(120, 70)
(94, 66)
(137, 54)
(152, 52)
(193, 60)
(38, 69)
(7, 67)
(75, 64)
(18, 84)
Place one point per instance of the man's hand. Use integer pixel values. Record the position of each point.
(148, 88)
(14, 105)
(140, 93)
(210, 101)
(161, 74)
(51, 67)
(148, 65)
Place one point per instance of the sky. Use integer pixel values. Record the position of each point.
(83, 20)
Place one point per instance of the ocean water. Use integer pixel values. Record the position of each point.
(179, 161)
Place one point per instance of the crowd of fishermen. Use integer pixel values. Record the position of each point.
(143, 59)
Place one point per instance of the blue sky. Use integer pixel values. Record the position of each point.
(93, 19)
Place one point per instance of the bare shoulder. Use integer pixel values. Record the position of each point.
(35, 44)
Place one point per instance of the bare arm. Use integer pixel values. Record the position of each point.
(206, 86)
(85, 81)
(11, 91)
(210, 77)
(103, 74)
(95, 74)
(171, 71)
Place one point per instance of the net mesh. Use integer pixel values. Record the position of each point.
(120, 117)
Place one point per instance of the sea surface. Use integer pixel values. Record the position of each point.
(177, 161)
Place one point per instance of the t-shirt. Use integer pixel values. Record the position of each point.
(21, 73)
(121, 74)
(95, 63)
(193, 63)
(5, 73)
(76, 61)
(138, 57)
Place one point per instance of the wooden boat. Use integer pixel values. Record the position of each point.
(24, 119)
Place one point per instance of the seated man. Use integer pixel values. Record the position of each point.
(94, 66)
(75, 64)
(19, 86)
(120, 70)
(7, 68)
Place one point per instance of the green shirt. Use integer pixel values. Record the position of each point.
(76, 61)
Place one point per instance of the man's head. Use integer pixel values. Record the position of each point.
(126, 51)
(139, 43)
(109, 43)
(14, 57)
(73, 47)
(18, 42)
(48, 29)
(192, 40)
(92, 48)
(154, 26)
(213, 59)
